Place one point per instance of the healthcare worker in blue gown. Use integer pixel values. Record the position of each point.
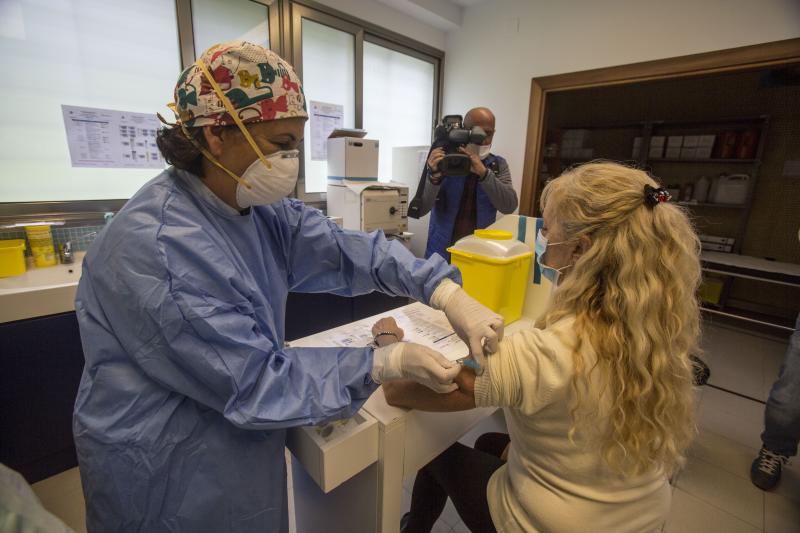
(188, 387)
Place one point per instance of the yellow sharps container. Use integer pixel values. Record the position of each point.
(12, 257)
(495, 268)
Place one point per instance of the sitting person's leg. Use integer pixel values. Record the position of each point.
(493, 443)
(461, 473)
(781, 420)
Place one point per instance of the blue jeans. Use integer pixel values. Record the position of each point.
(782, 416)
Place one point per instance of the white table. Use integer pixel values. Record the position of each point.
(407, 440)
(752, 268)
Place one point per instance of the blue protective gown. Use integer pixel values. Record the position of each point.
(181, 415)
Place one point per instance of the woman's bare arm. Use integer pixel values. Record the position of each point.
(412, 395)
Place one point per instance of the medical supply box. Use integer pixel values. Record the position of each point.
(351, 158)
(494, 268)
(333, 453)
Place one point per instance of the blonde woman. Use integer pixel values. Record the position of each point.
(598, 396)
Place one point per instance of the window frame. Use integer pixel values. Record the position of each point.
(362, 31)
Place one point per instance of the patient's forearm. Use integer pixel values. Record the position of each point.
(412, 395)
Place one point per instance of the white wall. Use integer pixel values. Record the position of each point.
(502, 44)
(391, 19)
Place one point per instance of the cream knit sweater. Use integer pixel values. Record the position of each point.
(550, 484)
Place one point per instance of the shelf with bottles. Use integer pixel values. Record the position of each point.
(723, 190)
(729, 147)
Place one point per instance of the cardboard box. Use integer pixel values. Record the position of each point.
(351, 158)
(705, 146)
(637, 147)
(573, 143)
(657, 146)
(674, 144)
(713, 239)
(711, 247)
(337, 451)
(689, 148)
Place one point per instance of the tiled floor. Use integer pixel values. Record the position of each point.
(712, 494)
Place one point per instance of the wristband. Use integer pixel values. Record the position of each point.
(381, 333)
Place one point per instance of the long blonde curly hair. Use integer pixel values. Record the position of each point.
(633, 296)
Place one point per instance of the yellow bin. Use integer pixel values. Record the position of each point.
(495, 269)
(12, 257)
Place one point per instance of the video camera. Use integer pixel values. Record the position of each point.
(451, 135)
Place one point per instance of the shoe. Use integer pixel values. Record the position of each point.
(765, 472)
(701, 372)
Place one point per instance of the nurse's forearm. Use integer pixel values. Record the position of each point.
(412, 395)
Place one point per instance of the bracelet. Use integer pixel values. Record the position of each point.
(392, 333)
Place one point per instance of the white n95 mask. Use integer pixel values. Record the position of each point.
(268, 179)
(264, 185)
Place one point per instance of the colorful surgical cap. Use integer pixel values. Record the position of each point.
(259, 84)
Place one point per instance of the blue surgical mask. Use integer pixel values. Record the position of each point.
(552, 274)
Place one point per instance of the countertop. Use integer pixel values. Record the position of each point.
(40, 291)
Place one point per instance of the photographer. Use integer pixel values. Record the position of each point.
(462, 204)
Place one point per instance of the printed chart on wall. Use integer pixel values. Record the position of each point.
(324, 119)
(107, 138)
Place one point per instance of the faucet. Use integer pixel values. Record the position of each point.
(65, 253)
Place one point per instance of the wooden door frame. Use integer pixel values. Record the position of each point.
(743, 58)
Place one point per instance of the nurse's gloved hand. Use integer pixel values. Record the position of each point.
(415, 362)
(478, 326)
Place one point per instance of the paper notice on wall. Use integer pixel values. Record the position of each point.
(324, 119)
(107, 138)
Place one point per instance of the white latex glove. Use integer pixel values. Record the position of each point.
(478, 326)
(416, 362)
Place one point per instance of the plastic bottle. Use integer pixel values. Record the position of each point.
(712, 192)
(40, 239)
(686, 192)
(701, 190)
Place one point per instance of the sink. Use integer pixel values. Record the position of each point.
(40, 291)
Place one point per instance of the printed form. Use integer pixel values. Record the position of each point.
(421, 324)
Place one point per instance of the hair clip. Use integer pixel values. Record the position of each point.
(653, 196)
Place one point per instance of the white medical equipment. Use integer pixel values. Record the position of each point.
(371, 206)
